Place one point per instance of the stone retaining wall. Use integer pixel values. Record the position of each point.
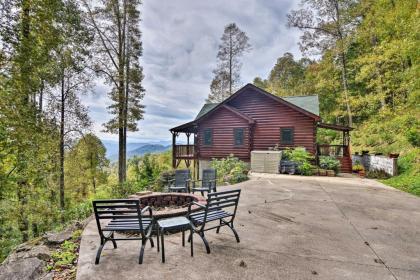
(372, 162)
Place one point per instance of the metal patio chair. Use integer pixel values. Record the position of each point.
(122, 215)
(208, 182)
(221, 207)
(181, 182)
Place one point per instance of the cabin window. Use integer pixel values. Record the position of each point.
(208, 136)
(238, 134)
(286, 136)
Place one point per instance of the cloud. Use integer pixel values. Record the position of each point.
(180, 41)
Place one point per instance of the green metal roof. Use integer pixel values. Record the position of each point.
(206, 107)
(310, 103)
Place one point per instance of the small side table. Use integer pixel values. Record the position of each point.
(176, 223)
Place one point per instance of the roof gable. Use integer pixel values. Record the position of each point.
(230, 109)
(308, 104)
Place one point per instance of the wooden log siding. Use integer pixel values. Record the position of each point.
(222, 124)
(270, 116)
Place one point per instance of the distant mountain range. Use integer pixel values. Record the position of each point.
(135, 149)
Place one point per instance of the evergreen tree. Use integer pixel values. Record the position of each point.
(118, 49)
(227, 74)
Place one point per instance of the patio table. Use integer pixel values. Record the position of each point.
(173, 224)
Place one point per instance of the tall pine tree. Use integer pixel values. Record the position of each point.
(227, 74)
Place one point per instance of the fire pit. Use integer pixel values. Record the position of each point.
(167, 205)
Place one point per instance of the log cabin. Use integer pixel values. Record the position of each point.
(254, 119)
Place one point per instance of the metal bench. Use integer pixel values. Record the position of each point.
(221, 207)
(122, 215)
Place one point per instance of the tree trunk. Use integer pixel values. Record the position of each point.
(127, 86)
(62, 147)
(25, 68)
(345, 88)
(23, 222)
(343, 62)
(121, 99)
(230, 63)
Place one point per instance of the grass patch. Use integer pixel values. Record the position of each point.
(64, 259)
(408, 179)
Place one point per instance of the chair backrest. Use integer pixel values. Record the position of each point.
(127, 210)
(221, 200)
(209, 178)
(181, 176)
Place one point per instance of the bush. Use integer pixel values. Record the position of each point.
(413, 137)
(357, 167)
(408, 179)
(301, 157)
(163, 180)
(230, 169)
(330, 163)
(377, 174)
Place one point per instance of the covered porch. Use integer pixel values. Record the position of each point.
(185, 152)
(340, 151)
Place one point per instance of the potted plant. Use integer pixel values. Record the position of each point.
(362, 173)
(357, 167)
(329, 163)
(330, 173)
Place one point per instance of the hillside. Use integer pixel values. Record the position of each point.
(141, 150)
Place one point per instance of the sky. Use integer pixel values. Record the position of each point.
(180, 44)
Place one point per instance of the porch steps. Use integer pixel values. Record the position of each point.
(346, 164)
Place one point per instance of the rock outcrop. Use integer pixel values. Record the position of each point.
(29, 260)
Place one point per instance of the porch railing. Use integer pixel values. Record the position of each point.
(184, 151)
(332, 150)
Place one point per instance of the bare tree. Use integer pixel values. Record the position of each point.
(118, 47)
(327, 24)
(234, 44)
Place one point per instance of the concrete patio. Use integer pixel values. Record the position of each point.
(291, 227)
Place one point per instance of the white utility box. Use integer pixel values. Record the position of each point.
(265, 161)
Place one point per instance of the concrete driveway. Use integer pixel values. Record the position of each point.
(291, 227)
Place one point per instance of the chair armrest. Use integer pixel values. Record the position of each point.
(147, 208)
(194, 203)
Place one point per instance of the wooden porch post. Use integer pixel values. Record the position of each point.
(173, 149)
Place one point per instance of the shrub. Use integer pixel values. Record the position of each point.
(331, 163)
(413, 137)
(301, 157)
(230, 169)
(357, 167)
(377, 174)
(163, 180)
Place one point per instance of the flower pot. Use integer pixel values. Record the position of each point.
(322, 172)
(362, 174)
(330, 173)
